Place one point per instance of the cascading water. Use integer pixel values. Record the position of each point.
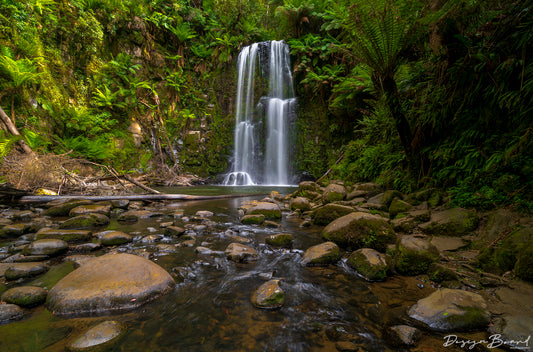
(262, 128)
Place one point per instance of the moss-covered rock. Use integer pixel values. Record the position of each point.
(175, 231)
(369, 263)
(268, 296)
(253, 219)
(329, 212)
(10, 312)
(63, 207)
(322, 254)
(67, 235)
(414, 255)
(451, 222)
(452, 310)
(280, 240)
(333, 193)
(524, 263)
(25, 270)
(85, 221)
(300, 203)
(48, 247)
(25, 296)
(359, 230)
(398, 206)
(269, 210)
(114, 238)
(439, 273)
(104, 209)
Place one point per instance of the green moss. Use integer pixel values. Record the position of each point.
(53, 275)
(332, 257)
(524, 265)
(473, 318)
(329, 212)
(275, 299)
(439, 273)
(280, 240)
(359, 262)
(253, 219)
(367, 233)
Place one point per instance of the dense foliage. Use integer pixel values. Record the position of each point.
(411, 94)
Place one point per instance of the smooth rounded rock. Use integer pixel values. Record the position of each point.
(85, 221)
(269, 210)
(269, 295)
(50, 247)
(10, 312)
(113, 282)
(25, 296)
(97, 336)
(114, 238)
(321, 254)
(91, 209)
(369, 263)
(451, 310)
(67, 235)
(24, 270)
(240, 253)
(280, 240)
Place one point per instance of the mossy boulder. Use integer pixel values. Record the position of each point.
(300, 203)
(63, 207)
(451, 222)
(269, 295)
(360, 230)
(85, 221)
(280, 240)
(398, 206)
(269, 210)
(112, 282)
(25, 296)
(322, 254)
(240, 253)
(452, 310)
(499, 222)
(414, 255)
(329, 212)
(368, 189)
(253, 219)
(99, 337)
(114, 238)
(14, 230)
(369, 263)
(67, 235)
(439, 273)
(306, 187)
(333, 193)
(104, 209)
(48, 247)
(17, 271)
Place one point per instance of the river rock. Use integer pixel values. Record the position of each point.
(24, 270)
(333, 193)
(360, 230)
(446, 243)
(269, 210)
(98, 336)
(238, 252)
(402, 335)
(25, 296)
(451, 222)
(14, 230)
(91, 209)
(255, 219)
(451, 310)
(414, 254)
(50, 247)
(329, 212)
(135, 215)
(307, 186)
(299, 203)
(322, 254)
(269, 295)
(515, 330)
(86, 247)
(67, 235)
(204, 213)
(280, 240)
(85, 221)
(63, 207)
(369, 263)
(174, 231)
(10, 312)
(112, 282)
(120, 203)
(114, 238)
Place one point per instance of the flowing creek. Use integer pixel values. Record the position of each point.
(210, 307)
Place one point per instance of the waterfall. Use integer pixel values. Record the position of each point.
(263, 126)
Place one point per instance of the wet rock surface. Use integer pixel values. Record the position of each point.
(98, 336)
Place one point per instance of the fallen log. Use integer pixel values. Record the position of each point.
(148, 197)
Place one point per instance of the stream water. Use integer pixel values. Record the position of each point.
(210, 310)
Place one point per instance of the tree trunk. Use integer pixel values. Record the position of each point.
(10, 127)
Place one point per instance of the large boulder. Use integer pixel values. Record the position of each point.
(112, 282)
(300, 203)
(329, 212)
(452, 310)
(359, 230)
(414, 255)
(369, 263)
(451, 222)
(269, 210)
(268, 296)
(322, 254)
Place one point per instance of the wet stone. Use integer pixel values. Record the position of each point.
(114, 238)
(91, 209)
(151, 239)
(120, 203)
(24, 270)
(253, 219)
(10, 312)
(49, 247)
(135, 215)
(14, 230)
(203, 250)
(269, 295)
(67, 235)
(204, 213)
(98, 336)
(86, 247)
(271, 224)
(399, 335)
(25, 296)
(280, 240)
(240, 253)
(63, 208)
(85, 221)
(322, 254)
(79, 259)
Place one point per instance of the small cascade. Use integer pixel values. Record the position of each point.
(263, 116)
